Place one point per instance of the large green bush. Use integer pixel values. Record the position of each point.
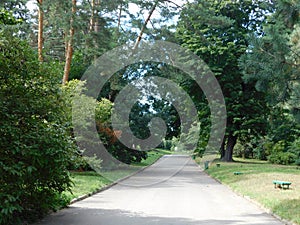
(7, 18)
(294, 148)
(75, 91)
(109, 137)
(279, 155)
(35, 146)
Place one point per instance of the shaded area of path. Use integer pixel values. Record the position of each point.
(173, 191)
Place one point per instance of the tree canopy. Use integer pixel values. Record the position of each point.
(220, 39)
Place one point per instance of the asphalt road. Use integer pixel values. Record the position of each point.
(173, 191)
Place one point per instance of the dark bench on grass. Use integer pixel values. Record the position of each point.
(282, 184)
(237, 173)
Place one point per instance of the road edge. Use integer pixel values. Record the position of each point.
(80, 198)
(261, 206)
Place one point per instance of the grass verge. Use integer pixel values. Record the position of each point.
(256, 182)
(88, 182)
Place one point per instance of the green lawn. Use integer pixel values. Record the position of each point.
(86, 183)
(89, 182)
(153, 156)
(256, 183)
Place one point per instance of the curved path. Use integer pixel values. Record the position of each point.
(173, 191)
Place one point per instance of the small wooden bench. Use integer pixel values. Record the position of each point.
(282, 184)
(237, 173)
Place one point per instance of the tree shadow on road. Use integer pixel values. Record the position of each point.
(83, 216)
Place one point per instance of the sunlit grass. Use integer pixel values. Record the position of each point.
(153, 156)
(85, 183)
(256, 182)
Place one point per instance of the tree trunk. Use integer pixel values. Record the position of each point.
(139, 38)
(40, 31)
(94, 25)
(96, 20)
(69, 46)
(231, 141)
(92, 19)
(222, 149)
(119, 21)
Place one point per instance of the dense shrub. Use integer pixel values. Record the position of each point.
(35, 146)
(102, 112)
(119, 151)
(110, 138)
(166, 144)
(7, 18)
(295, 149)
(280, 155)
(284, 158)
(243, 151)
(259, 150)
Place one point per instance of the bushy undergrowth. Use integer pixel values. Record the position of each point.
(35, 145)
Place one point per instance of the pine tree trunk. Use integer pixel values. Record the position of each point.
(94, 25)
(92, 19)
(119, 20)
(40, 31)
(231, 141)
(139, 38)
(69, 51)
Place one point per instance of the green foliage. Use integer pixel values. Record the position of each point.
(266, 64)
(78, 66)
(17, 8)
(79, 163)
(15, 13)
(109, 137)
(35, 146)
(284, 158)
(88, 106)
(103, 111)
(217, 33)
(280, 146)
(259, 150)
(272, 60)
(166, 144)
(174, 142)
(279, 155)
(7, 18)
(73, 91)
(89, 41)
(294, 148)
(188, 139)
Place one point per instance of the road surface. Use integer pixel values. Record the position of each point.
(173, 191)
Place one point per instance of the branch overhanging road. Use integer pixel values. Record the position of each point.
(173, 191)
